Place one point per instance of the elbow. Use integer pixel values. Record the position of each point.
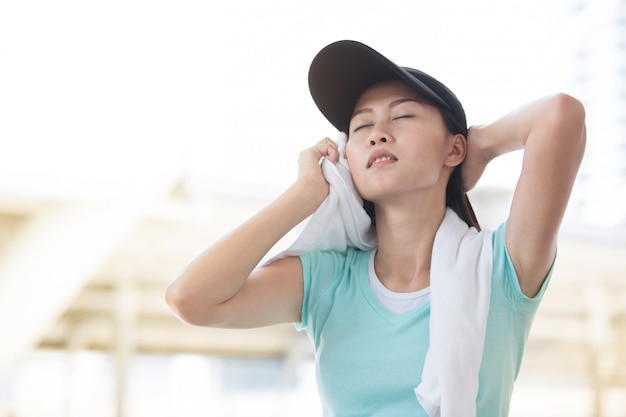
(569, 107)
(569, 113)
(569, 104)
(183, 304)
(566, 116)
(176, 301)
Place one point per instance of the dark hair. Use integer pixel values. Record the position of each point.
(456, 197)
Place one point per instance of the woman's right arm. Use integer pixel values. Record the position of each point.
(222, 288)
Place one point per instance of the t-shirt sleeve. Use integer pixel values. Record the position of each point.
(505, 275)
(320, 272)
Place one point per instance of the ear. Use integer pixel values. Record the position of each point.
(458, 150)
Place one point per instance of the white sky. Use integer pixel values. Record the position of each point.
(100, 97)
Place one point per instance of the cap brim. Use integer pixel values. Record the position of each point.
(341, 72)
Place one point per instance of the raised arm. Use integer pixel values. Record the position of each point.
(551, 131)
(222, 288)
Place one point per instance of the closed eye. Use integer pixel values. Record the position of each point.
(356, 129)
(405, 116)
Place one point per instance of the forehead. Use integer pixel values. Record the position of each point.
(386, 90)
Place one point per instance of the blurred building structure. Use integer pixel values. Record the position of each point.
(597, 67)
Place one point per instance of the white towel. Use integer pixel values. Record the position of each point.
(460, 289)
(340, 221)
(460, 281)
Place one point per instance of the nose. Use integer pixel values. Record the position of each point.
(381, 139)
(379, 132)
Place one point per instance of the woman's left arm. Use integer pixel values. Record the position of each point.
(551, 131)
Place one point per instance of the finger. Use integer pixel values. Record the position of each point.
(325, 148)
(328, 149)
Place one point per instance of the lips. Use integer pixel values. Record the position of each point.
(380, 158)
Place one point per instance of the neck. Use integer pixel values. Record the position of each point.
(406, 234)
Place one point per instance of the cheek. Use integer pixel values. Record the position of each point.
(350, 154)
(354, 163)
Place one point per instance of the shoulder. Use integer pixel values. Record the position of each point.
(324, 269)
(332, 263)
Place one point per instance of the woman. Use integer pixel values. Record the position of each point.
(412, 159)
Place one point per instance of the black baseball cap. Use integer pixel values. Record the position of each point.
(343, 70)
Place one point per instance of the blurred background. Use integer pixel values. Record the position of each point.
(133, 133)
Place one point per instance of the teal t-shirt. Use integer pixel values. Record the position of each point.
(369, 359)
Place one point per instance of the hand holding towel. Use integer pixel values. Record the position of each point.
(340, 221)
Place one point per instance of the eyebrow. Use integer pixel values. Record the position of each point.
(392, 104)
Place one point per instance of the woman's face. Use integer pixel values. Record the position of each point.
(398, 144)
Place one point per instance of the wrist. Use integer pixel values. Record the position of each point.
(481, 144)
(308, 193)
